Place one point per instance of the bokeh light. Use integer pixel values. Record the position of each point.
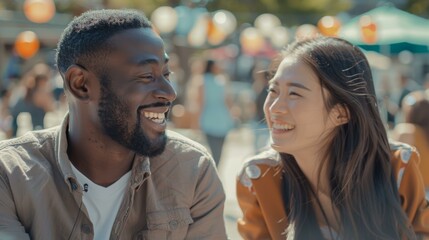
(39, 11)
(164, 19)
(225, 21)
(329, 26)
(252, 41)
(306, 31)
(280, 37)
(266, 23)
(27, 44)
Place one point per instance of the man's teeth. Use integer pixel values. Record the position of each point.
(155, 117)
(283, 126)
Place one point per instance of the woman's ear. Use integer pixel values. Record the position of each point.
(340, 114)
(76, 81)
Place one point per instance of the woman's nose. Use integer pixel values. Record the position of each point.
(278, 105)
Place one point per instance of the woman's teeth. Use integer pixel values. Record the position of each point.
(283, 126)
(155, 117)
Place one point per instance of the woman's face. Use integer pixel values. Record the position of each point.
(295, 109)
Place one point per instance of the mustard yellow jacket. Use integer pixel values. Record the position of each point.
(260, 197)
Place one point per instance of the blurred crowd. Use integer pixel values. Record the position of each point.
(30, 101)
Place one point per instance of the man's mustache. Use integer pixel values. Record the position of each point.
(156, 104)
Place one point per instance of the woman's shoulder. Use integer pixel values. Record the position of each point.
(256, 166)
(265, 159)
(402, 152)
(402, 155)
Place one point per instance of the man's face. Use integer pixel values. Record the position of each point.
(135, 93)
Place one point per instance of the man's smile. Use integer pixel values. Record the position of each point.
(155, 117)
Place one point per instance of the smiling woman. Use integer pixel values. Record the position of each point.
(331, 172)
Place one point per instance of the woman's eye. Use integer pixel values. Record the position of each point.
(294, 94)
(271, 90)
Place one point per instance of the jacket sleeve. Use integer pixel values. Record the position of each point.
(208, 205)
(252, 224)
(412, 192)
(10, 227)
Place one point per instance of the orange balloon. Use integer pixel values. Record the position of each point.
(368, 29)
(329, 25)
(27, 44)
(39, 11)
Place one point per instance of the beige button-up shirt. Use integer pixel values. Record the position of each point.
(176, 195)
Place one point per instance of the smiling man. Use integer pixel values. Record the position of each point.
(111, 170)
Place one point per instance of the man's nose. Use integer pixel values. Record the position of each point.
(165, 90)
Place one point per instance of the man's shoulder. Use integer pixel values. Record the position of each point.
(27, 148)
(183, 158)
(31, 138)
(178, 142)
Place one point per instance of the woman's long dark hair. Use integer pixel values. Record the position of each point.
(362, 182)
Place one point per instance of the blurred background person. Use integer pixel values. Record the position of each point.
(215, 103)
(426, 82)
(261, 133)
(404, 83)
(388, 107)
(415, 129)
(35, 97)
(5, 116)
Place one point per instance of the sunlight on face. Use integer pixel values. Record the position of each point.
(295, 109)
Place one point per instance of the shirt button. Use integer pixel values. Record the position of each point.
(86, 228)
(173, 224)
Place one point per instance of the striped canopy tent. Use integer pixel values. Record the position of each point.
(395, 30)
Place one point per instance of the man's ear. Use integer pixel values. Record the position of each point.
(340, 114)
(76, 80)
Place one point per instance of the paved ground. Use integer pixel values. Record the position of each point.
(238, 147)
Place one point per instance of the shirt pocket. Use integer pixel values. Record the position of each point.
(169, 224)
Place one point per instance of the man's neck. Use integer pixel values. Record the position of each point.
(98, 157)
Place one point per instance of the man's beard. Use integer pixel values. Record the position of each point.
(113, 114)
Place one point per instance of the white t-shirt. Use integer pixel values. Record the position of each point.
(102, 203)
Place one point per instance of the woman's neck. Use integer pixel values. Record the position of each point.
(314, 168)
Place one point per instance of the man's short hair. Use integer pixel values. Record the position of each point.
(84, 39)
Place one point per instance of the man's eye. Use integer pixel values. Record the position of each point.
(146, 78)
